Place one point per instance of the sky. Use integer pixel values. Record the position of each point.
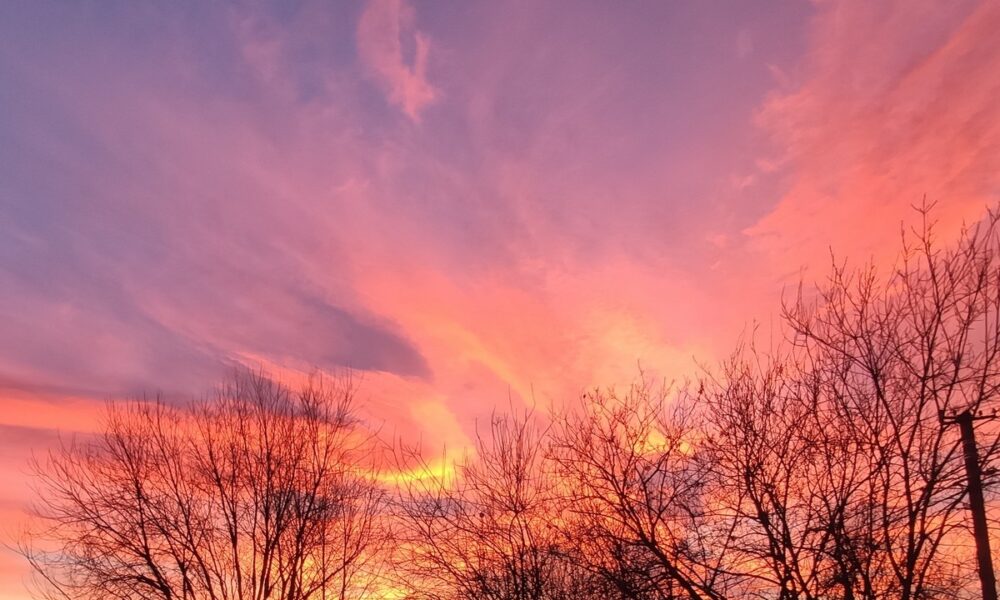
(467, 204)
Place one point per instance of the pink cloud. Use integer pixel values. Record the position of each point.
(899, 101)
(382, 25)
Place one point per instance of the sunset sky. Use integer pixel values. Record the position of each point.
(469, 204)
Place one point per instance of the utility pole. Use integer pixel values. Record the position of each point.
(976, 503)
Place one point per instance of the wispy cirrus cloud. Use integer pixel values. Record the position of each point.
(894, 102)
(382, 30)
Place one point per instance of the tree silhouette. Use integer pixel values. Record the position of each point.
(256, 493)
(491, 530)
(832, 457)
(635, 485)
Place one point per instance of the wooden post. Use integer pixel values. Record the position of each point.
(977, 505)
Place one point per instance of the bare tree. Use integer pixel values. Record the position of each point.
(794, 481)
(257, 493)
(832, 457)
(635, 481)
(489, 532)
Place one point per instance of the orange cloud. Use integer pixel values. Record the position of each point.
(899, 101)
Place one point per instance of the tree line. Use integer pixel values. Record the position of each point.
(819, 468)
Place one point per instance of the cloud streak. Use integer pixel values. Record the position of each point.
(381, 32)
(896, 102)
